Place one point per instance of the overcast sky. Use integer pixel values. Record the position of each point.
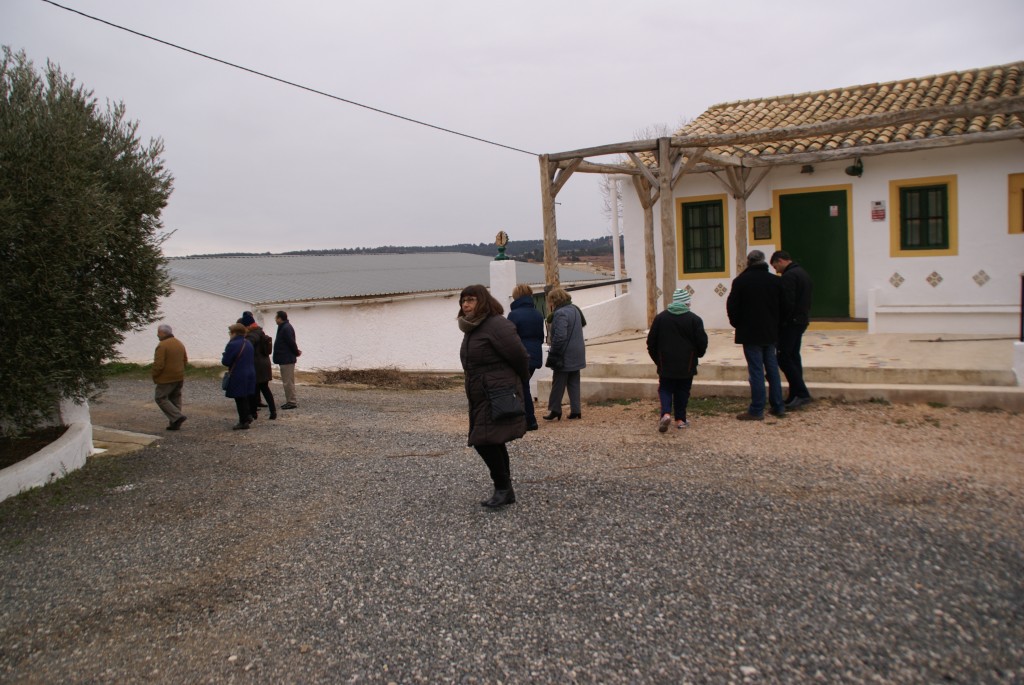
(260, 166)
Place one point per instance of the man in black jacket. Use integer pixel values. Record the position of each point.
(286, 353)
(796, 287)
(755, 307)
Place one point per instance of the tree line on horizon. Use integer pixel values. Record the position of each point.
(519, 250)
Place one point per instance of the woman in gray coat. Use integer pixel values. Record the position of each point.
(493, 357)
(567, 355)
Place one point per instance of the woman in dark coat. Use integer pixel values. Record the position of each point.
(675, 342)
(492, 357)
(530, 327)
(262, 345)
(238, 356)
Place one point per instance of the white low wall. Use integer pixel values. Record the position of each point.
(608, 317)
(55, 461)
(1018, 361)
(887, 316)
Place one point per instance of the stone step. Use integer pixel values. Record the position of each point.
(831, 374)
(598, 389)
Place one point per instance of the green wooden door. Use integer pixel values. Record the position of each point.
(814, 232)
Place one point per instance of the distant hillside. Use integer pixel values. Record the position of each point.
(520, 250)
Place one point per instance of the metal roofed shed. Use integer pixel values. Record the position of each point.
(264, 279)
(359, 311)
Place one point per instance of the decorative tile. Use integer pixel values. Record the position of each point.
(934, 279)
(720, 290)
(690, 289)
(896, 280)
(981, 278)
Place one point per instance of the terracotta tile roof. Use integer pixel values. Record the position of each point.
(828, 105)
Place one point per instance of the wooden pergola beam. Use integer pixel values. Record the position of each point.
(861, 123)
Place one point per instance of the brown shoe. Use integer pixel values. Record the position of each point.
(747, 416)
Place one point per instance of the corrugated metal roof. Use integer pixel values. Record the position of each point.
(268, 279)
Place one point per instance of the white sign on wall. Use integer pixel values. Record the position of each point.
(878, 210)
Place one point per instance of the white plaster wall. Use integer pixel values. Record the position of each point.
(413, 333)
(984, 242)
(200, 320)
(607, 317)
(409, 334)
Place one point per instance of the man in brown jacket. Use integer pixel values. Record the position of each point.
(169, 375)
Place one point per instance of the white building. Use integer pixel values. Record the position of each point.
(903, 200)
(348, 311)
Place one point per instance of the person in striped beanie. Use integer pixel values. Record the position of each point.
(676, 341)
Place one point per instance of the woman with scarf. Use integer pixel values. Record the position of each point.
(493, 359)
(675, 342)
(567, 355)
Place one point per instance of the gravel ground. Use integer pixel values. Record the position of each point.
(345, 543)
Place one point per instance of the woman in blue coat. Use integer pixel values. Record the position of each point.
(530, 327)
(238, 357)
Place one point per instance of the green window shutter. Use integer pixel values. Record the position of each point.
(703, 237)
(924, 218)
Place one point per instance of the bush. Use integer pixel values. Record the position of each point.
(80, 237)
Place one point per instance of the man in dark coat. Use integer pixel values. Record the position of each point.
(675, 342)
(756, 306)
(286, 353)
(796, 287)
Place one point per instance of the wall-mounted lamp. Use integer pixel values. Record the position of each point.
(855, 169)
(807, 169)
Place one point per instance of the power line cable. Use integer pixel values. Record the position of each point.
(289, 83)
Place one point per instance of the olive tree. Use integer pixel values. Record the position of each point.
(80, 238)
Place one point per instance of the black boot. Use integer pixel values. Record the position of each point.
(500, 498)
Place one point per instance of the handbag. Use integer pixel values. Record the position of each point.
(225, 380)
(506, 403)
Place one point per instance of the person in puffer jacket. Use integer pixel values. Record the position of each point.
(676, 341)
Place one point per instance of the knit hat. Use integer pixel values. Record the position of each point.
(680, 301)
(247, 319)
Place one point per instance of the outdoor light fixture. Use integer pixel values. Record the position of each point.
(855, 169)
(807, 169)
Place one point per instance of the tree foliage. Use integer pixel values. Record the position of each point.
(80, 238)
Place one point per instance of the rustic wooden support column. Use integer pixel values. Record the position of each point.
(669, 274)
(547, 205)
(647, 200)
(741, 233)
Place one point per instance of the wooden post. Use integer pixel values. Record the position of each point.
(613, 192)
(741, 234)
(643, 191)
(669, 275)
(547, 204)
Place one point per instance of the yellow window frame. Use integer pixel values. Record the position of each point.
(681, 248)
(895, 212)
(1016, 199)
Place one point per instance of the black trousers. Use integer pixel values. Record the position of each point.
(254, 400)
(496, 458)
(244, 413)
(790, 337)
